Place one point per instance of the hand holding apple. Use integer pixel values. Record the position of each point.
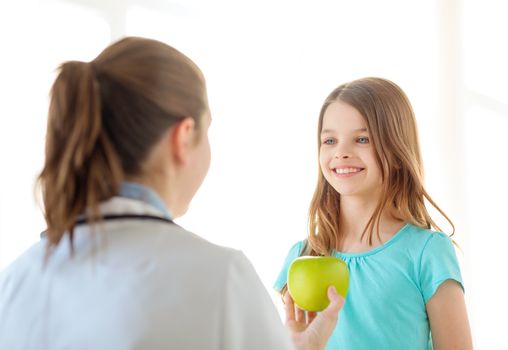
(310, 276)
(314, 331)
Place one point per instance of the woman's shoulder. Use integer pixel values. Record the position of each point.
(36, 252)
(18, 270)
(192, 245)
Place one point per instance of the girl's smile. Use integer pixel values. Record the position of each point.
(346, 171)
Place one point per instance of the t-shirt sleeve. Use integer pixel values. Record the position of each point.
(438, 264)
(294, 253)
(251, 321)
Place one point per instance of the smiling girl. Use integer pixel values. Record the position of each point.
(406, 290)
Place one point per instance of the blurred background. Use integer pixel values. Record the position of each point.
(269, 65)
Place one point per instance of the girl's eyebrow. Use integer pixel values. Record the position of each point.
(328, 131)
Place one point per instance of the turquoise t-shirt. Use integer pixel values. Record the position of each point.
(388, 289)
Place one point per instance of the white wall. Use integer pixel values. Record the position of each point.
(269, 65)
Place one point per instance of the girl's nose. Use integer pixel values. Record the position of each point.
(342, 153)
(342, 156)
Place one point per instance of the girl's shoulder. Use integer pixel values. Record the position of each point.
(435, 259)
(422, 239)
(297, 249)
(423, 235)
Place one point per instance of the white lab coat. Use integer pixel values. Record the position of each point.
(136, 285)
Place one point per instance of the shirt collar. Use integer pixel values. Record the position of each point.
(145, 194)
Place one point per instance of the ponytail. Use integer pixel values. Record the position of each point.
(81, 167)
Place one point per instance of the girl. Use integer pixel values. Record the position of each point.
(368, 209)
(126, 149)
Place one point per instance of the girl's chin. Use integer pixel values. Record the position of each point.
(354, 192)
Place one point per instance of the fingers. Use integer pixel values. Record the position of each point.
(300, 315)
(315, 331)
(320, 326)
(336, 302)
(289, 307)
(325, 322)
(293, 312)
(311, 316)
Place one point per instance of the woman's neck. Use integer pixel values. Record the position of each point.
(159, 186)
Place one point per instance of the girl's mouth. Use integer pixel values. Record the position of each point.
(345, 172)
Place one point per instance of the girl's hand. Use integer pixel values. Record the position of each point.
(312, 332)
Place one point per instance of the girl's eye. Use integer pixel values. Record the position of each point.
(329, 142)
(363, 140)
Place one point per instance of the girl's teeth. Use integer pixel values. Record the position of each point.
(347, 170)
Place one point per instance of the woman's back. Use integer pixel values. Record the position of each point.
(136, 285)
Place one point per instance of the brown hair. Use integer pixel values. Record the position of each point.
(104, 118)
(392, 126)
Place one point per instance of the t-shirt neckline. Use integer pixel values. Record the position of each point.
(390, 242)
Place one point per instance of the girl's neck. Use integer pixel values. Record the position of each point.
(354, 215)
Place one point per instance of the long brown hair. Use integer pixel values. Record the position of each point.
(392, 126)
(104, 118)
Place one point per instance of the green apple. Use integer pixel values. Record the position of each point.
(309, 278)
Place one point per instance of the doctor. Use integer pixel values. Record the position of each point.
(126, 150)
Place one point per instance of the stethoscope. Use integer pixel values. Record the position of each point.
(117, 217)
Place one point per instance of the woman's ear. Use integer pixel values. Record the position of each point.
(183, 138)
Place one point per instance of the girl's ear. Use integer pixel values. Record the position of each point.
(182, 140)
